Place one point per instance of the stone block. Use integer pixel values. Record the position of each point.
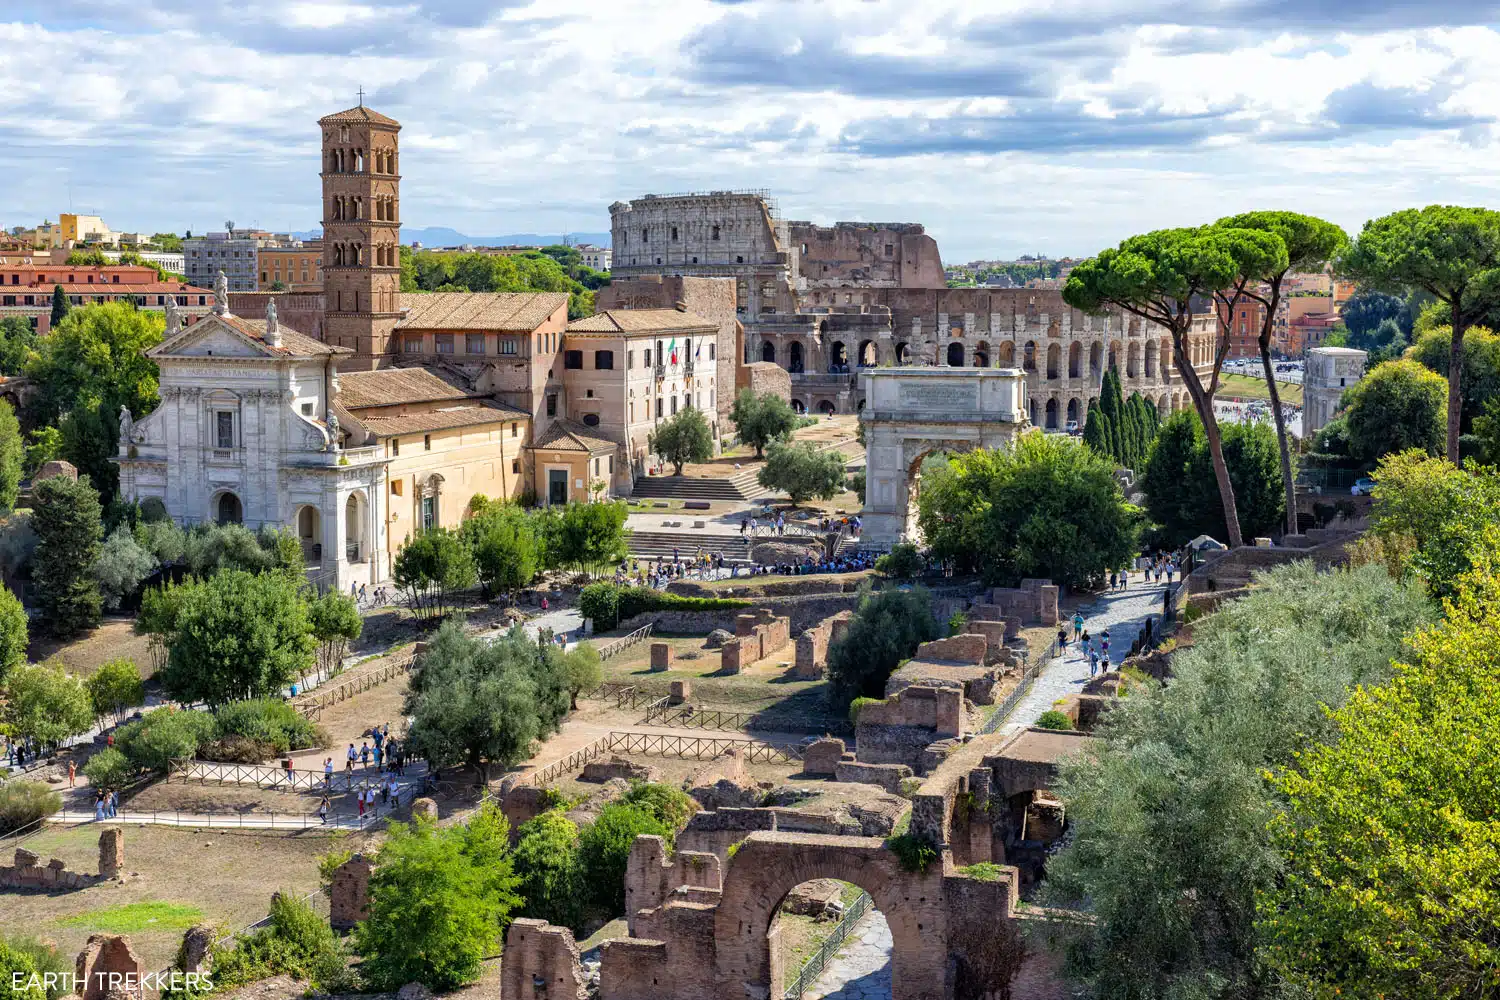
(661, 656)
(732, 656)
(424, 807)
(818, 898)
(745, 624)
(822, 756)
(681, 691)
(349, 893)
(111, 852)
(196, 945)
(541, 963)
(618, 767)
(887, 776)
(27, 859)
(967, 648)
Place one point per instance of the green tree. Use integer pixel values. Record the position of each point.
(583, 669)
(683, 438)
(1399, 405)
(1388, 845)
(477, 704)
(238, 635)
(157, 620)
(1451, 253)
(1442, 509)
(46, 446)
(1156, 277)
(335, 623)
(1169, 807)
(66, 516)
(802, 471)
(1045, 507)
(759, 420)
(12, 451)
(1487, 433)
(60, 307)
(115, 687)
(1480, 381)
(1112, 406)
(1180, 486)
(1310, 244)
(430, 567)
(439, 899)
(122, 564)
(162, 735)
(88, 367)
(604, 850)
(902, 562)
(587, 535)
(17, 343)
(507, 553)
(546, 858)
(46, 703)
(1365, 311)
(13, 634)
(1097, 432)
(600, 604)
(109, 768)
(19, 972)
(887, 628)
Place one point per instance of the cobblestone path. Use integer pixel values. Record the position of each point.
(862, 968)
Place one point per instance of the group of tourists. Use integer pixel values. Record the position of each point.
(388, 754)
(106, 804)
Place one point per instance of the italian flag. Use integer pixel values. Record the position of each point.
(672, 347)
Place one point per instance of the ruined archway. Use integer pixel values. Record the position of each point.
(1075, 360)
(1073, 416)
(794, 360)
(1006, 356)
(955, 355)
(1051, 414)
(768, 351)
(798, 406)
(1096, 360)
(838, 357)
(903, 354)
(1030, 356)
(1054, 360)
(869, 355)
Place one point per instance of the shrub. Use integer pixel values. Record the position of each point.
(600, 603)
(270, 721)
(114, 687)
(1053, 719)
(237, 750)
(24, 802)
(109, 769)
(66, 515)
(886, 629)
(151, 742)
(46, 959)
(672, 806)
(858, 704)
(903, 562)
(18, 971)
(604, 849)
(914, 853)
(546, 858)
(297, 943)
(13, 635)
(638, 600)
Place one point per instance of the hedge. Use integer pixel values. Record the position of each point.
(608, 604)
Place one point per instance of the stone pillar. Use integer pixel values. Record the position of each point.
(349, 893)
(111, 852)
(107, 967)
(661, 657)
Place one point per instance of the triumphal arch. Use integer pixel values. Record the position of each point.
(911, 412)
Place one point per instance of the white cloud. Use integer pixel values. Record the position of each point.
(1004, 131)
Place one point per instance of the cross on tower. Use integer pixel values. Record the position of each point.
(361, 96)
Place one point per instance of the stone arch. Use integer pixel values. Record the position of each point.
(768, 351)
(356, 513)
(1005, 356)
(795, 362)
(1074, 414)
(838, 357)
(1075, 360)
(1051, 414)
(1166, 357)
(827, 408)
(1114, 355)
(798, 406)
(768, 866)
(903, 353)
(981, 357)
(869, 354)
(1164, 406)
(310, 532)
(1151, 348)
(1029, 362)
(955, 355)
(1054, 360)
(1031, 413)
(1096, 360)
(1133, 360)
(227, 508)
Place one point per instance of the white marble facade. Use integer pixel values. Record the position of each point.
(246, 431)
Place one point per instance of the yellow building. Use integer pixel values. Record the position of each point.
(84, 228)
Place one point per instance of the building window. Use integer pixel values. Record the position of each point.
(429, 513)
(710, 352)
(395, 447)
(611, 465)
(426, 442)
(396, 487)
(591, 420)
(629, 359)
(507, 345)
(604, 360)
(474, 343)
(658, 407)
(674, 404)
(515, 465)
(444, 343)
(411, 345)
(224, 429)
(715, 234)
(739, 260)
(307, 409)
(648, 360)
(889, 250)
(552, 404)
(514, 429)
(573, 360)
(596, 466)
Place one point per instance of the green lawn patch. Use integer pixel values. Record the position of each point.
(132, 918)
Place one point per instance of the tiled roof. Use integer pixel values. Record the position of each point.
(642, 321)
(392, 386)
(505, 311)
(293, 344)
(359, 114)
(479, 412)
(568, 435)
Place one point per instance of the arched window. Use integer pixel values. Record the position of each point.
(902, 354)
(794, 357)
(354, 527)
(1075, 360)
(1030, 361)
(1054, 361)
(1052, 414)
(228, 509)
(955, 355)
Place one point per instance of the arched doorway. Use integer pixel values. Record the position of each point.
(1075, 360)
(860, 967)
(1114, 355)
(868, 356)
(354, 525)
(1164, 406)
(903, 354)
(838, 358)
(228, 509)
(310, 533)
(798, 406)
(1096, 358)
(1029, 362)
(1151, 359)
(955, 355)
(1051, 414)
(768, 351)
(1054, 361)
(1031, 413)
(794, 358)
(1006, 357)
(1133, 360)
(1073, 417)
(827, 408)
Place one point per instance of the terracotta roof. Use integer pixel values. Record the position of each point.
(569, 435)
(641, 321)
(479, 412)
(293, 344)
(506, 311)
(359, 114)
(392, 386)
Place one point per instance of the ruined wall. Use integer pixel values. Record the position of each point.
(821, 757)
(887, 776)
(651, 876)
(757, 635)
(803, 612)
(713, 832)
(812, 646)
(899, 729)
(109, 969)
(762, 377)
(349, 893)
(967, 648)
(28, 872)
(867, 255)
(541, 963)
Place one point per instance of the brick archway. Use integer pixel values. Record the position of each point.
(769, 865)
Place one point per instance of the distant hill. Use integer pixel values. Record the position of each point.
(442, 236)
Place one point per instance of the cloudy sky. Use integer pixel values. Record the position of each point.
(1006, 127)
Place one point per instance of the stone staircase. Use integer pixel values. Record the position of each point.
(738, 488)
(659, 545)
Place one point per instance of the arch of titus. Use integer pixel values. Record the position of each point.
(911, 412)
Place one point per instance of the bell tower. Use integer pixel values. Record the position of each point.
(361, 233)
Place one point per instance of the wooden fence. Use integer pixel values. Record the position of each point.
(623, 643)
(312, 704)
(272, 776)
(662, 745)
(663, 713)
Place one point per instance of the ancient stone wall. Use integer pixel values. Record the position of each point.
(899, 729)
(651, 876)
(661, 656)
(811, 661)
(1034, 601)
(109, 969)
(821, 757)
(762, 377)
(757, 635)
(715, 831)
(541, 963)
(618, 767)
(867, 255)
(349, 893)
(803, 612)
(28, 872)
(887, 776)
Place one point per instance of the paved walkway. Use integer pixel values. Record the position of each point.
(1124, 613)
(862, 968)
(234, 820)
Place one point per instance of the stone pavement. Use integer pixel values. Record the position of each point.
(862, 968)
(1124, 613)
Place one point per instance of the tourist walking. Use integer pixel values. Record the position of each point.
(99, 806)
(327, 772)
(1114, 581)
(323, 810)
(72, 772)
(359, 799)
(1077, 624)
(364, 755)
(1093, 659)
(1062, 641)
(112, 803)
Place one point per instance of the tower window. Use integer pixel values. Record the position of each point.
(715, 233)
(674, 234)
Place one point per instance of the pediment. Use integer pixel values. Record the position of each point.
(212, 337)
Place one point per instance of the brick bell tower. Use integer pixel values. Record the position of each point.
(361, 234)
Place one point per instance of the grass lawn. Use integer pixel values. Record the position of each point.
(1254, 387)
(132, 918)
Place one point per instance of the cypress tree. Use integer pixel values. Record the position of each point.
(59, 305)
(1096, 432)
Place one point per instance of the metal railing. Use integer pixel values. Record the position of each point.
(626, 641)
(338, 819)
(664, 713)
(269, 776)
(818, 961)
(701, 747)
(1028, 677)
(312, 704)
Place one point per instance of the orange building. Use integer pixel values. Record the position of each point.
(1244, 328)
(295, 268)
(1309, 331)
(27, 290)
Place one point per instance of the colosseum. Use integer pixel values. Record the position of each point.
(822, 302)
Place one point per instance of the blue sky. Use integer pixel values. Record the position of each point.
(1004, 127)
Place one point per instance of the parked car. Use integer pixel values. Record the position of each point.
(1362, 487)
(1072, 427)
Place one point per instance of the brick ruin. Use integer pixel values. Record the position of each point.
(811, 661)
(756, 636)
(29, 873)
(109, 969)
(651, 876)
(349, 893)
(661, 657)
(903, 728)
(716, 937)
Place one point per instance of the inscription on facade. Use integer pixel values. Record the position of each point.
(939, 397)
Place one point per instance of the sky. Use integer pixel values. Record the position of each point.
(1041, 126)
